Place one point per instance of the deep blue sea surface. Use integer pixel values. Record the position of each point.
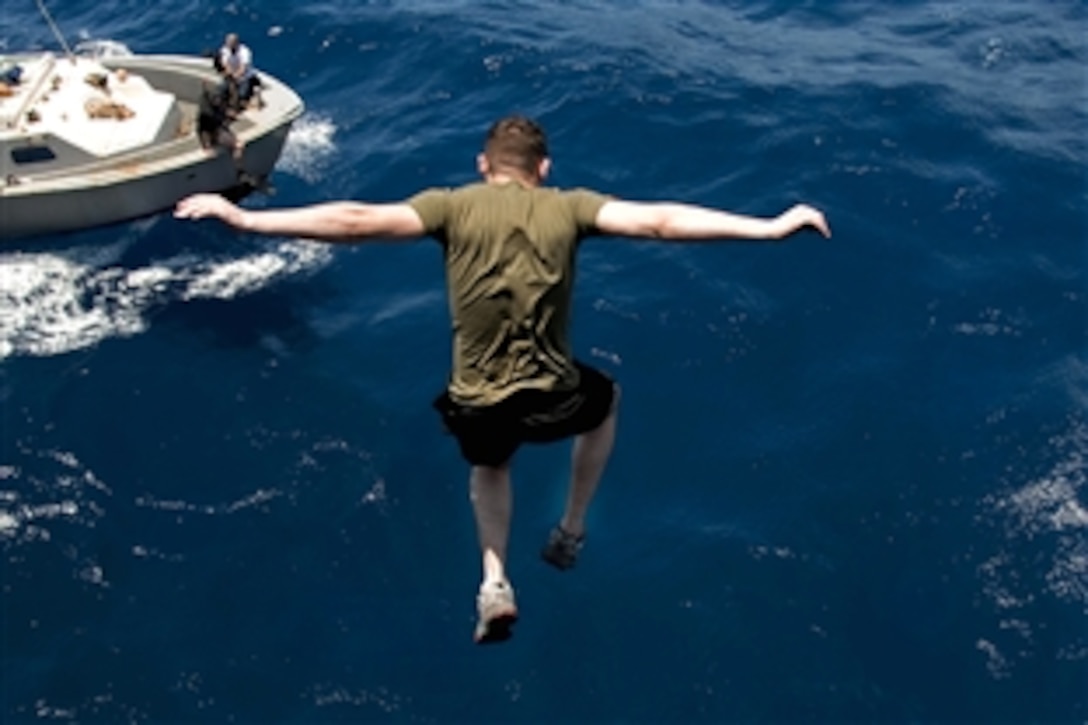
(849, 482)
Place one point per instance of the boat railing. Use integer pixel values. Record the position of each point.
(47, 67)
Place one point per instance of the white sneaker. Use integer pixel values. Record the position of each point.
(497, 612)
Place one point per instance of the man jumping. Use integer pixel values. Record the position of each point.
(510, 245)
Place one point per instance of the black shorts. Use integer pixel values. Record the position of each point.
(488, 436)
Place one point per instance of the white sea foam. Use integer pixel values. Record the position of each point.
(8, 523)
(1051, 503)
(1049, 511)
(62, 489)
(55, 303)
(993, 322)
(1052, 506)
(309, 145)
(257, 498)
(226, 279)
(380, 698)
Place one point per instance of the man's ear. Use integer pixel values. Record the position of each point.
(544, 168)
(482, 165)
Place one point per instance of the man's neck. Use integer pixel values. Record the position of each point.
(499, 178)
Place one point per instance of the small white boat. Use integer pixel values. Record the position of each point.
(99, 136)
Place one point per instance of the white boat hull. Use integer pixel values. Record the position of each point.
(134, 191)
(150, 179)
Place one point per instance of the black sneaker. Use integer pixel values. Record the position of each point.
(562, 548)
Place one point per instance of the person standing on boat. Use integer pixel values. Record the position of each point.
(236, 62)
(510, 247)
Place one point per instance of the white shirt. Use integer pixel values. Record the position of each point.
(240, 58)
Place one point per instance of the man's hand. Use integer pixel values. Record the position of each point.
(203, 206)
(802, 216)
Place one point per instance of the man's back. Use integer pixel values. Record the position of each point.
(510, 271)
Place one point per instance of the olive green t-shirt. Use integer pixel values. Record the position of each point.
(509, 253)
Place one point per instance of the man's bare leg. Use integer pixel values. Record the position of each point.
(588, 460)
(492, 502)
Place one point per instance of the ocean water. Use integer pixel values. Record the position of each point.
(849, 482)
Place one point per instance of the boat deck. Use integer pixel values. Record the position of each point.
(81, 102)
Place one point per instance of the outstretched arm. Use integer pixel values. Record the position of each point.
(668, 220)
(340, 221)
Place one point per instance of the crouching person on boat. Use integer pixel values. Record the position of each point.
(213, 121)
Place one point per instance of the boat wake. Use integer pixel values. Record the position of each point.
(309, 145)
(57, 302)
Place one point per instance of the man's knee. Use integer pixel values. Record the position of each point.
(491, 471)
(484, 480)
